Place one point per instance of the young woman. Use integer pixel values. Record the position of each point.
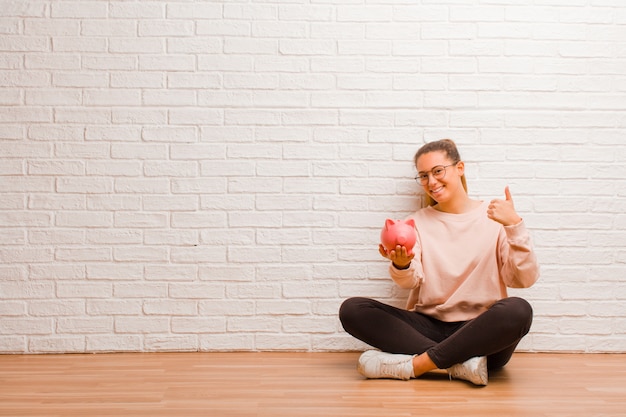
(458, 315)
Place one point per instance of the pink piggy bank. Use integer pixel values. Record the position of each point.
(399, 232)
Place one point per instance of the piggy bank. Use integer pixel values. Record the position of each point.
(399, 232)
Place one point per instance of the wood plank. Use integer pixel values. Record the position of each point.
(300, 384)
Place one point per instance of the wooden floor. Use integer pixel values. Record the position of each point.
(300, 384)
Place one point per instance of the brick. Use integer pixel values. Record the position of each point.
(13, 272)
(208, 185)
(226, 63)
(16, 290)
(112, 97)
(208, 219)
(114, 168)
(25, 44)
(56, 168)
(55, 61)
(250, 81)
(165, 343)
(170, 203)
(23, 9)
(113, 343)
(308, 325)
(136, 45)
(113, 307)
(144, 9)
(53, 97)
(84, 185)
(113, 202)
(83, 254)
(114, 272)
(25, 115)
(79, 44)
(57, 308)
(244, 324)
(140, 151)
(201, 291)
(306, 82)
(14, 167)
(169, 97)
(283, 342)
(194, 11)
(185, 117)
(193, 80)
(128, 80)
(57, 344)
(231, 168)
(142, 185)
(65, 271)
(140, 220)
(32, 219)
(43, 237)
(250, 46)
(172, 273)
(140, 290)
(65, 133)
(24, 79)
(83, 289)
(291, 307)
(250, 11)
(223, 308)
(195, 45)
(170, 308)
(81, 9)
(177, 62)
(141, 325)
(192, 255)
(9, 26)
(80, 116)
(229, 273)
(24, 326)
(108, 27)
(165, 28)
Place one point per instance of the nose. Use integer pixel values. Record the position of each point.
(431, 179)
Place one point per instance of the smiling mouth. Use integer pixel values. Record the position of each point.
(437, 190)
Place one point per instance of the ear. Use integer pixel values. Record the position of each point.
(411, 222)
(388, 223)
(460, 166)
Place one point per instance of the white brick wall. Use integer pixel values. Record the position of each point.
(212, 175)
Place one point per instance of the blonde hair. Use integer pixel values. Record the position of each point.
(446, 146)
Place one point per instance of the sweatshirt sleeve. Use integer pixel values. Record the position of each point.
(409, 278)
(518, 262)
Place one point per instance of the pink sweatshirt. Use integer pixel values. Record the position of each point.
(464, 263)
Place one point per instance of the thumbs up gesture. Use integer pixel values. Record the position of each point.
(503, 211)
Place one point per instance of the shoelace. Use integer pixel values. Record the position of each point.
(392, 369)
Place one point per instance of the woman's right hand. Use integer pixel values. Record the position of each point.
(398, 256)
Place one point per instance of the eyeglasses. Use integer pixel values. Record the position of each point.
(438, 172)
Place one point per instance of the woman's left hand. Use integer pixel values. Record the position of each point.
(503, 211)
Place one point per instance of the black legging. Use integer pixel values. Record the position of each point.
(495, 333)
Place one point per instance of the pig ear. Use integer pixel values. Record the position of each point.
(388, 223)
(411, 222)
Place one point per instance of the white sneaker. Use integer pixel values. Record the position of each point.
(377, 364)
(473, 370)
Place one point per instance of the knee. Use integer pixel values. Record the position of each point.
(349, 310)
(520, 312)
(348, 307)
(522, 307)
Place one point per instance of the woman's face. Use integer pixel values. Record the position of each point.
(440, 176)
